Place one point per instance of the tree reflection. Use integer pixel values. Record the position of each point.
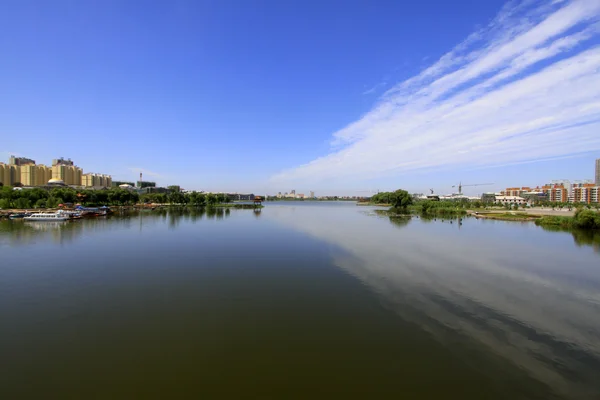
(587, 238)
(581, 237)
(400, 221)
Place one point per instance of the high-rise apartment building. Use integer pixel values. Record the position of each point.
(96, 180)
(24, 171)
(27, 175)
(20, 161)
(42, 175)
(584, 193)
(62, 161)
(598, 172)
(557, 192)
(69, 174)
(10, 174)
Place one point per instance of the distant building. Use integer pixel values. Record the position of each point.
(240, 196)
(144, 184)
(557, 191)
(119, 183)
(510, 200)
(55, 182)
(312, 194)
(31, 174)
(61, 161)
(70, 174)
(20, 161)
(597, 180)
(24, 171)
(535, 196)
(584, 192)
(96, 180)
(9, 174)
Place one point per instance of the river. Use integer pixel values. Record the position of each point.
(297, 300)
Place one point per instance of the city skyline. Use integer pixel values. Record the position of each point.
(249, 100)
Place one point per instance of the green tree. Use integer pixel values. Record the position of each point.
(401, 199)
(211, 199)
(176, 198)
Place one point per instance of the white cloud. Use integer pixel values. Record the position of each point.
(524, 87)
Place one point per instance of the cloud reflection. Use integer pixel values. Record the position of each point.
(535, 305)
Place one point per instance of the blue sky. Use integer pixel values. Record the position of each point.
(331, 96)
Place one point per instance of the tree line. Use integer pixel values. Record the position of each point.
(426, 205)
(583, 219)
(42, 198)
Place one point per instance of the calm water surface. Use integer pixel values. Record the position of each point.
(300, 300)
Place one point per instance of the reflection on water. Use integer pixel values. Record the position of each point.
(20, 232)
(298, 298)
(581, 237)
(524, 298)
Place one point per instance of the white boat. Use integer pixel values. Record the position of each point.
(57, 216)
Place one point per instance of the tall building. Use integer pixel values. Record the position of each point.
(10, 174)
(557, 191)
(312, 194)
(27, 175)
(69, 174)
(584, 193)
(96, 180)
(598, 172)
(20, 161)
(42, 175)
(62, 161)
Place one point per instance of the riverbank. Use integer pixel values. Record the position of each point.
(504, 216)
(527, 214)
(137, 207)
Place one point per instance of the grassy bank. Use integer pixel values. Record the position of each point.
(368, 203)
(508, 216)
(583, 220)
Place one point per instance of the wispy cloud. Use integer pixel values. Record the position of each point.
(524, 87)
(374, 88)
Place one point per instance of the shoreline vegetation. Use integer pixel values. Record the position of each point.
(38, 199)
(403, 205)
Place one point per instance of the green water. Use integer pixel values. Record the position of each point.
(298, 300)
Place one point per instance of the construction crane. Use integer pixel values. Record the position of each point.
(431, 191)
(460, 186)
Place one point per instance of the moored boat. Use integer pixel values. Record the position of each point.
(71, 214)
(93, 211)
(18, 215)
(57, 216)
